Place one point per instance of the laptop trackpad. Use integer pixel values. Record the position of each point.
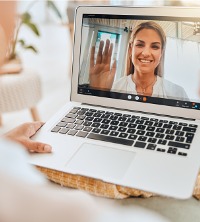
(100, 162)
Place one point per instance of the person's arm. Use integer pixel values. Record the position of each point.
(101, 74)
(23, 133)
(7, 23)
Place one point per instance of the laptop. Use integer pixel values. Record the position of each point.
(138, 139)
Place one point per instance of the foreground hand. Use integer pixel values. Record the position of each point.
(101, 75)
(23, 133)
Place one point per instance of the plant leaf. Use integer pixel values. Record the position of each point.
(52, 5)
(33, 27)
(22, 42)
(30, 47)
(25, 17)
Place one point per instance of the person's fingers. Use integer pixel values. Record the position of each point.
(33, 127)
(99, 54)
(92, 57)
(105, 53)
(113, 69)
(110, 53)
(38, 147)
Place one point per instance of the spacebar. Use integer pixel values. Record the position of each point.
(110, 139)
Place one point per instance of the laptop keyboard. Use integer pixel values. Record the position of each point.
(131, 130)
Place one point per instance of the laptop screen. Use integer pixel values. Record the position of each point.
(147, 59)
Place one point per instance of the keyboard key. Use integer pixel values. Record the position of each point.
(152, 140)
(149, 123)
(96, 130)
(172, 150)
(131, 125)
(87, 123)
(189, 129)
(159, 135)
(113, 128)
(121, 129)
(104, 126)
(113, 117)
(62, 124)
(97, 115)
(87, 128)
(193, 125)
(124, 124)
(130, 120)
(73, 111)
(123, 119)
(72, 132)
(89, 113)
(161, 150)
(114, 122)
(179, 133)
(89, 118)
(132, 137)
(162, 142)
(64, 130)
(105, 132)
(106, 121)
(140, 132)
(114, 133)
(110, 139)
(78, 127)
(169, 137)
(131, 131)
(179, 139)
(169, 131)
(140, 144)
(95, 124)
(182, 124)
(150, 128)
(139, 121)
(123, 135)
(82, 134)
(167, 126)
(79, 122)
(141, 127)
(151, 146)
(97, 120)
(68, 120)
(179, 145)
(71, 125)
(142, 138)
(157, 124)
(177, 127)
(55, 129)
(182, 154)
(71, 115)
(160, 130)
(150, 134)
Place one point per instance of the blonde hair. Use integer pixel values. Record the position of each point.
(158, 29)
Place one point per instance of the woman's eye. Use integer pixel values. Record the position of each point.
(156, 47)
(139, 45)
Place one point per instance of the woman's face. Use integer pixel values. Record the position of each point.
(146, 51)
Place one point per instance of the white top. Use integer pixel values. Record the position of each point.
(162, 88)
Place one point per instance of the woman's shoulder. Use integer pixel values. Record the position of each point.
(121, 81)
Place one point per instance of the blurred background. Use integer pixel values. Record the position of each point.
(44, 46)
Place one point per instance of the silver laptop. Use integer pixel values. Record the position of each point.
(137, 128)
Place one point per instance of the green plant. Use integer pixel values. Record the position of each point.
(26, 19)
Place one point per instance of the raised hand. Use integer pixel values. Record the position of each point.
(101, 75)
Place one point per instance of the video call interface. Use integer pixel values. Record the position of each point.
(179, 80)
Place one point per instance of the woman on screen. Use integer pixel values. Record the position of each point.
(144, 68)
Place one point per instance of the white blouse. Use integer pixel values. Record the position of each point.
(162, 88)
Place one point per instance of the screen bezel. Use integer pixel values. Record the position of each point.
(176, 12)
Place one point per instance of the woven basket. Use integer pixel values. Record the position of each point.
(100, 188)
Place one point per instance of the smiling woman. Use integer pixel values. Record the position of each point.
(144, 65)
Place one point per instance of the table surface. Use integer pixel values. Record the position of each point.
(171, 209)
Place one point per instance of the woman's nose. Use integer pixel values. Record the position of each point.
(146, 52)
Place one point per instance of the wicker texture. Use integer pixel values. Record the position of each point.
(19, 91)
(100, 188)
